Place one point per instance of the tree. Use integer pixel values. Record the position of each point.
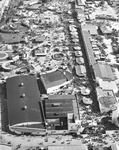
(102, 3)
(20, 3)
(115, 50)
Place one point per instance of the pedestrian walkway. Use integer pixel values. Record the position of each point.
(0, 118)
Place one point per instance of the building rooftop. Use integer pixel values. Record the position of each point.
(80, 60)
(108, 85)
(67, 147)
(61, 97)
(80, 3)
(106, 98)
(33, 7)
(78, 53)
(23, 99)
(10, 38)
(80, 70)
(56, 108)
(55, 78)
(92, 29)
(105, 30)
(103, 71)
(88, 47)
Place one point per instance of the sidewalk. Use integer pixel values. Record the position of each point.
(0, 118)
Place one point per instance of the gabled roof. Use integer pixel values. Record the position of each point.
(23, 100)
(103, 71)
(55, 78)
(105, 30)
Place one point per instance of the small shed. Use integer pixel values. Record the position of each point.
(80, 70)
(78, 53)
(104, 30)
(80, 60)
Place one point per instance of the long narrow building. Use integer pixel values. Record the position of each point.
(102, 75)
(88, 47)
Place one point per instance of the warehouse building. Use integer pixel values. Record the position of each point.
(23, 101)
(55, 79)
(88, 47)
(103, 71)
(61, 111)
(105, 77)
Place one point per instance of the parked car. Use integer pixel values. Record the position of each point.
(94, 130)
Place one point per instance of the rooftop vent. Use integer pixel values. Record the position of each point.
(56, 104)
(22, 96)
(21, 84)
(56, 114)
(24, 108)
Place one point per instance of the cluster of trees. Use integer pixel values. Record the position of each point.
(115, 45)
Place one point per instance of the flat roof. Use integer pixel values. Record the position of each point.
(88, 47)
(21, 28)
(67, 147)
(5, 147)
(92, 29)
(56, 108)
(108, 85)
(10, 38)
(105, 97)
(57, 97)
(80, 11)
(33, 7)
(23, 91)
